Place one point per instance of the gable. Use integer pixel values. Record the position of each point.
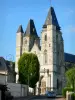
(35, 49)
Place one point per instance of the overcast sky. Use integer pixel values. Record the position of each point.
(16, 12)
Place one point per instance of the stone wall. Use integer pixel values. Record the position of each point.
(17, 90)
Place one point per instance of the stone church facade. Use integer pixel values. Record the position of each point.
(49, 49)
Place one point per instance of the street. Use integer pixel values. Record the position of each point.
(39, 98)
(45, 98)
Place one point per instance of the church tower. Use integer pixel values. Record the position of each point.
(52, 54)
(19, 41)
(25, 42)
(29, 37)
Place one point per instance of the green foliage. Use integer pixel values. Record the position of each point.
(28, 66)
(70, 76)
(65, 90)
(73, 96)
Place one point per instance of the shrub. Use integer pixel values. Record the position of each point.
(73, 96)
(65, 90)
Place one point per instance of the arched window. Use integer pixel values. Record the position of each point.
(45, 56)
(45, 37)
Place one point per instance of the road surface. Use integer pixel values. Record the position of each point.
(39, 98)
(45, 98)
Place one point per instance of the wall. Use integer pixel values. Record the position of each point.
(6, 78)
(2, 79)
(17, 90)
(0, 95)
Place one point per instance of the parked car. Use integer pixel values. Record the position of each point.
(50, 94)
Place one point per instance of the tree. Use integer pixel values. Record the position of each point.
(70, 75)
(28, 66)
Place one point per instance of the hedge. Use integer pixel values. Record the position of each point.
(73, 96)
(65, 90)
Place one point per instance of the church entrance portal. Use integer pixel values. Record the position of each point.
(43, 87)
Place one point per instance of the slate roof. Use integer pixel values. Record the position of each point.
(20, 29)
(69, 58)
(2, 64)
(51, 19)
(5, 65)
(31, 30)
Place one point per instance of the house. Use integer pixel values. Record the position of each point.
(7, 73)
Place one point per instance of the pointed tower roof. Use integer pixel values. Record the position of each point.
(31, 30)
(20, 29)
(51, 19)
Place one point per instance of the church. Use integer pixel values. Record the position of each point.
(49, 49)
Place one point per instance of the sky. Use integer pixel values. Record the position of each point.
(16, 12)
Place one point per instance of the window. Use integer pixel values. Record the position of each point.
(45, 37)
(45, 56)
(57, 84)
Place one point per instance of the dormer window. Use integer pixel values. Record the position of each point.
(45, 37)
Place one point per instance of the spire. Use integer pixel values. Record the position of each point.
(51, 19)
(31, 30)
(20, 29)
